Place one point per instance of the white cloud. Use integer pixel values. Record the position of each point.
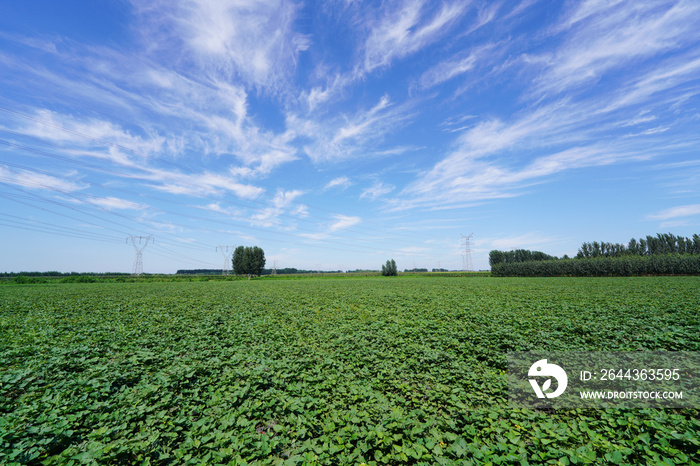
(583, 9)
(405, 30)
(603, 36)
(137, 156)
(455, 66)
(676, 212)
(377, 190)
(362, 124)
(111, 203)
(342, 182)
(281, 202)
(206, 111)
(352, 136)
(668, 76)
(31, 179)
(414, 251)
(343, 221)
(461, 179)
(90, 136)
(255, 40)
(318, 95)
(216, 207)
(480, 166)
(198, 184)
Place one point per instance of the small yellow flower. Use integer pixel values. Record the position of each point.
(443, 444)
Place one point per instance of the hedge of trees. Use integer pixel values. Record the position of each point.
(661, 264)
(663, 254)
(517, 256)
(662, 243)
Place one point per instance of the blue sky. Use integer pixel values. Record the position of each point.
(340, 134)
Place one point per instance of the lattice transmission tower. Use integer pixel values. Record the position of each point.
(467, 256)
(226, 252)
(138, 249)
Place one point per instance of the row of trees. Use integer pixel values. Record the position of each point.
(286, 270)
(251, 261)
(516, 256)
(61, 274)
(663, 254)
(662, 243)
(627, 266)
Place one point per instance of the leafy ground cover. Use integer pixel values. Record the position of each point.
(407, 370)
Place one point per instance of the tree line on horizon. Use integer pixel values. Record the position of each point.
(282, 271)
(663, 254)
(662, 243)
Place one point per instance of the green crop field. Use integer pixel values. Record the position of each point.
(400, 370)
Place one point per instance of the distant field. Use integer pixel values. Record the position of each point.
(39, 278)
(376, 370)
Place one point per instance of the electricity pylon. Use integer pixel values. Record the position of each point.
(468, 266)
(138, 260)
(227, 252)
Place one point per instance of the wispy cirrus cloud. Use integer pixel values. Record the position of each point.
(90, 136)
(197, 184)
(255, 41)
(676, 212)
(342, 182)
(572, 131)
(206, 113)
(136, 157)
(111, 203)
(218, 208)
(675, 73)
(362, 124)
(376, 191)
(606, 35)
(462, 178)
(404, 29)
(348, 136)
(343, 221)
(34, 180)
(281, 204)
(455, 66)
(339, 222)
(388, 33)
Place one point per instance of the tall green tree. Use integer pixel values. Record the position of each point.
(389, 269)
(248, 260)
